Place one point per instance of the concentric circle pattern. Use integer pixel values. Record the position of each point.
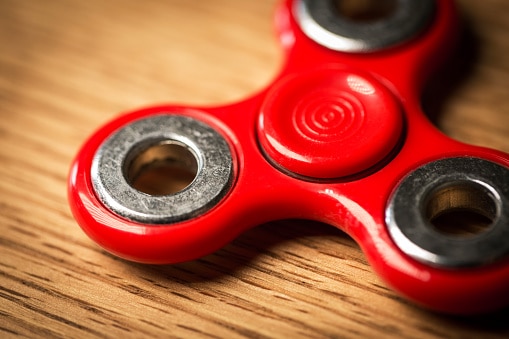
(325, 116)
(328, 123)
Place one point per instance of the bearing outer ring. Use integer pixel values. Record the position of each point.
(323, 23)
(416, 236)
(211, 183)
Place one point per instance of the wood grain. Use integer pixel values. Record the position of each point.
(68, 66)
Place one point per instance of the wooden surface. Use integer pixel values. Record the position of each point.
(68, 66)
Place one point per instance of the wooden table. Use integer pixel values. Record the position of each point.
(68, 66)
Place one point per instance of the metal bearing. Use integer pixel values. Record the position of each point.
(441, 186)
(323, 22)
(116, 157)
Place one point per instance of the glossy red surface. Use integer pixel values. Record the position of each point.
(329, 122)
(355, 202)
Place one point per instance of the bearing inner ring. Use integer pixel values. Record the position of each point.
(473, 184)
(113, 161)
(323, 23)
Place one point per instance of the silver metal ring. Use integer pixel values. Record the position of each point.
(114, 157)
(322, 22)
(446, 185)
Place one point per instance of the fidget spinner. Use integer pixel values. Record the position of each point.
(338, 137)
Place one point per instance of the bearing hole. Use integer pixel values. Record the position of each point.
(162, 169)
(365, 10)
(461, 209)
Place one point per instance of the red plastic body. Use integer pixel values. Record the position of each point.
(377, 155)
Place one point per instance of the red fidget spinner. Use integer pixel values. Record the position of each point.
(338, 137)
